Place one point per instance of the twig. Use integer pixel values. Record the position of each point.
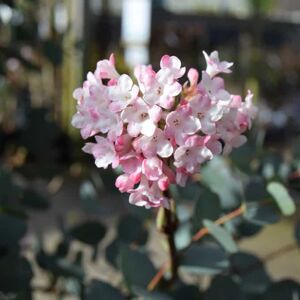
(200, 234)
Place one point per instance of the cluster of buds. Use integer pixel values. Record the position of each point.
(157, 130)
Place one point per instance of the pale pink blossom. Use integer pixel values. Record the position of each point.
(159, 132)
(103, 152)
(123, 93)
(138, 117)
(214, 87)
(170, 69)
(106, 69)
(157, 144)
(152, 168)
(181, 123)
(214, 65)
(192, 154)
(148, 194)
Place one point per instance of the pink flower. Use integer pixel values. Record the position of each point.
(214, 87)
(160, 88)
(106, 69)
(192, 154)
(152, 168)
(181, 123)
(103, 152)
(206, 112)
(214, 65)
(170, 69)
(157, 144)
(123, 93)
(140, 118)
(148, 194)
(154, 140)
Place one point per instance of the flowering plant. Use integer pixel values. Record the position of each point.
(159, 131)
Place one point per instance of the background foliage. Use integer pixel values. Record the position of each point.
(114, 251)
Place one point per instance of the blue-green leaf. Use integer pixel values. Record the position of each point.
(282, 198)
(221, 235)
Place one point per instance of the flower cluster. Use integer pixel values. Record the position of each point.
(157, 130)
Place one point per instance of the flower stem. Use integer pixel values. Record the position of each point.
(171, 226)
(167, 223)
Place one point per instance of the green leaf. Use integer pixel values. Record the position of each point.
(181, 291)
(273, 166)
(250, 271)
(112, 252)
(204, 259)
(136, 267)
(12, 229)
(262, 214)
(145, 295)
(59, 266)
(285, 289)
(183, 235)
(221, 235)
(223, 287)
(255, 190)
(282, 198)
(220, 179)
(90, 232)
(97, 289)
(190, 192)
(132, 230)
(247, 228)
(207, 207)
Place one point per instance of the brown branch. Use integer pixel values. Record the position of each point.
(203, 231)
(200, 234)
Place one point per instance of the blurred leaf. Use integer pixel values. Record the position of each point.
(247, 229)
(181, 291)
(89, 198)
(204, 259)
(223, 287)
(34, 200)
(136, 267)
(221, 235)
(242, 156)
(218, 176)
(90, 232)
(262, 214)
(273, 166)
(190, 192)
(183, 212)
(251, 272)
(285, 289)
(183, 235)
(97, 290)
(16, 273)
(63, 248)
(207, 207)
(131, 230)
(59, 266)
(255, 190)
(12, 229)
(282, 198)
(140, 292)
(112, 252)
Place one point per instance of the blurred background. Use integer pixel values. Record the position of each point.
(46, 49)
